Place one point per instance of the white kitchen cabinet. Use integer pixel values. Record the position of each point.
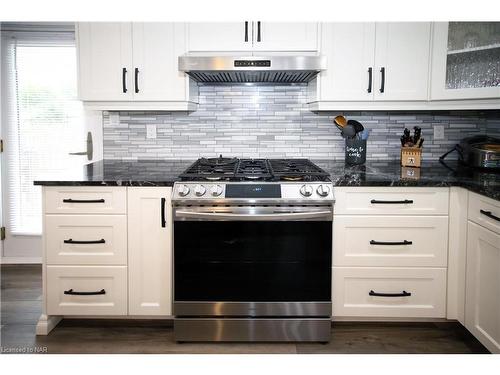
(389, 292)
(391, 200)
(86, 290)
(105, 60)
(219, 36)
(465, 59)
(157, 46)
(390, 252)
(285, 36)
(252, 37)
(390, 241)
(484, 211)
(133, 66)
(85, 200)
(349, 49)
(150, 250)
(482, 299)
(370, 62)
(86, 239)
(402, 61)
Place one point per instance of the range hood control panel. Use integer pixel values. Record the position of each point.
(251, 63)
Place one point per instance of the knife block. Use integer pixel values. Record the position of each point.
(411, 156)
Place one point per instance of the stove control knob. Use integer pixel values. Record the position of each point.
(183, 190)
(323, 190)
(216, 190)
(199, 190)
(306, 190)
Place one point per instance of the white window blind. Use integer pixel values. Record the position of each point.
(44, 121)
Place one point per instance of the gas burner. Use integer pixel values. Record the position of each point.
(233, 169)
(220, 161)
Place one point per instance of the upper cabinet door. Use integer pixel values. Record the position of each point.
(402, 60)
(465, 60)
(285, 36)
(155, 74)
(350, 52)
(219, 36)
(105, 61)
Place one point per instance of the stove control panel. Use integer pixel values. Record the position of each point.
(253, 191)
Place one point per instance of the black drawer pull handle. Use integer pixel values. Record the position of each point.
(382, 84)
(72, 293)
(84, 242)
(136, 80)
(258, 31)
(246, 31)
(370, 73)
(405, 242)
(83, 200)
(163, 220)
(406, 201)
(404, 293)
(490, 215)
(124, 80)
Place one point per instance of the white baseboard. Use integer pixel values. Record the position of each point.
(21, 260)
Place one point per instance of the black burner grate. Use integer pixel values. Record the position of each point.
(233, 169)
(253, 169)
(297, 170)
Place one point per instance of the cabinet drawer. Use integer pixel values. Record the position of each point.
(391, 201)
(390, 241)
(85, 200)
(352, 287)
(104, 290)
(86, 239)
(484, 211)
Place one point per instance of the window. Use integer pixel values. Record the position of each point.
(43, 121)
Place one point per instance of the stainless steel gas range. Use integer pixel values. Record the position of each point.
(252, 251)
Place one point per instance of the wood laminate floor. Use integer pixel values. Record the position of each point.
(21, 297)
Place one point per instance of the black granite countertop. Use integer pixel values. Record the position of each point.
(373, 173)
(431, 174)
(124, 173)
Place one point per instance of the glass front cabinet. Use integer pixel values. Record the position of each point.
(465, 60)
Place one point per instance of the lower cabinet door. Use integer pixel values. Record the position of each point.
(150, 250)
(389, 292)
(86, 290)
(482, 298)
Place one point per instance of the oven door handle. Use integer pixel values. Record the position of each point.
(314, 215)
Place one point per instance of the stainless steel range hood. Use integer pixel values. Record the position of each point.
(252, 69)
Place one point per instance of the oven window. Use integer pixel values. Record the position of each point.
(252, 261)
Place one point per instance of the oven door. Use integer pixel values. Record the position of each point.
(252, 261)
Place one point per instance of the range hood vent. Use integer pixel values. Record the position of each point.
(252, 69)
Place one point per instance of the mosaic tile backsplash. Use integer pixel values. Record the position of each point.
(274, 122)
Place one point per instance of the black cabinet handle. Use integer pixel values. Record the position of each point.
(404, 293)
(395, 243)
(84, 242)
(124, 80)
(406, 201)
(490, 215)
(73, 293)
(382, 84)
(69, 200)
(163, 219)
(246, 31)
(370, 74)
(136, 80)
(258, 31)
